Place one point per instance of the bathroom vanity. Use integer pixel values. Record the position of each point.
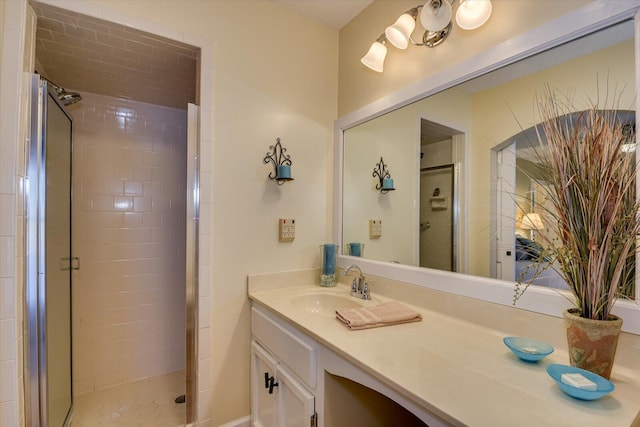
(309, 369)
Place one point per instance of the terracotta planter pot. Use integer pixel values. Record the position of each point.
(592, 343)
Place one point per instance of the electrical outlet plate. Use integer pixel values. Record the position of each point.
(286, 229)
(375, 228)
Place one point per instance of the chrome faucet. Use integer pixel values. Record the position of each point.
(359, 286)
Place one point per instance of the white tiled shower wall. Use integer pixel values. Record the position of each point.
(129, 182)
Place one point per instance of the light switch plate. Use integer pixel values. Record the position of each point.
(375, 228)
(286, 229)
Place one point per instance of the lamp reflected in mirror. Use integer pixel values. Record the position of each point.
(532, 222)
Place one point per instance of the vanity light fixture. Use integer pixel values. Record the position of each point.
(435, 16)
(386, 182)
(281, 163)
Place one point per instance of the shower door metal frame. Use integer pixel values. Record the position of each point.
(192, 261)
(35, 291)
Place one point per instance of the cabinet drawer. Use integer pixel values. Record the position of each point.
(298, 354)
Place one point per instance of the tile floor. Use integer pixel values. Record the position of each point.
(143, 403)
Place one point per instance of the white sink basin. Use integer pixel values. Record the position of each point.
(324, 303)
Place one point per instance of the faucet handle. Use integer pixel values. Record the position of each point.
(366, 293)
(354, 286)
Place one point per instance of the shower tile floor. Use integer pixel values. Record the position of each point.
(143, 403)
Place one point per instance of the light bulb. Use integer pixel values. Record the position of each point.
(473, 14)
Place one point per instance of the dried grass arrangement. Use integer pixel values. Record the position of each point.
(591, 202)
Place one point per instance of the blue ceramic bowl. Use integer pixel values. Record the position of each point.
(528, 349)
(603, 385)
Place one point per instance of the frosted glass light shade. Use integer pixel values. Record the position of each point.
(398, 34)
(435, 19)
(374, 58)
(473, 14)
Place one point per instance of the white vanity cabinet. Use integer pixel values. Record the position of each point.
(282, 376)
(263, 387)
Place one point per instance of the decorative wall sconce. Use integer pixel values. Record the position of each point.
(281, 163)
(435, 17)
(386, 182)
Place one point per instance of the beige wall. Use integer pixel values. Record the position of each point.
(129, 170)
(359, 86)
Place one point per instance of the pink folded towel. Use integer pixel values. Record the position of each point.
(385, 314)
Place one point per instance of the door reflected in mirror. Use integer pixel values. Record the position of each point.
(437, 218)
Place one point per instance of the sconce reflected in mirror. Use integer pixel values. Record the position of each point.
(386, 182)
(281, 163)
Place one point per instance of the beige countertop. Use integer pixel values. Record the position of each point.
(460, 371)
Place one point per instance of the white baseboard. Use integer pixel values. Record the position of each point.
(240, 422)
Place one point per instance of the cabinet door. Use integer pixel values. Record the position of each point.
(263, 403)
(296, 406)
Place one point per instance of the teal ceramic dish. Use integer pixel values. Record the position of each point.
(603, 385)
(528, 349)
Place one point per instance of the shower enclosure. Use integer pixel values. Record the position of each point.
(49, 261)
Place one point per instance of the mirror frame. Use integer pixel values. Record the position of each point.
(583, 21)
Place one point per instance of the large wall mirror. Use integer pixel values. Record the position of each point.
(461, 203)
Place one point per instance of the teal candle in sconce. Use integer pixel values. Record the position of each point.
(387, 184)
(283, 172)
(281, 163)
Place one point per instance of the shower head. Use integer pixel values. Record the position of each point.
(67, 98)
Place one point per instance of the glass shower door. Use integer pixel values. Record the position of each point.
(49, 261)
(58, 262)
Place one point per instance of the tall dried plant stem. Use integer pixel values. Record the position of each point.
(592, 184)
